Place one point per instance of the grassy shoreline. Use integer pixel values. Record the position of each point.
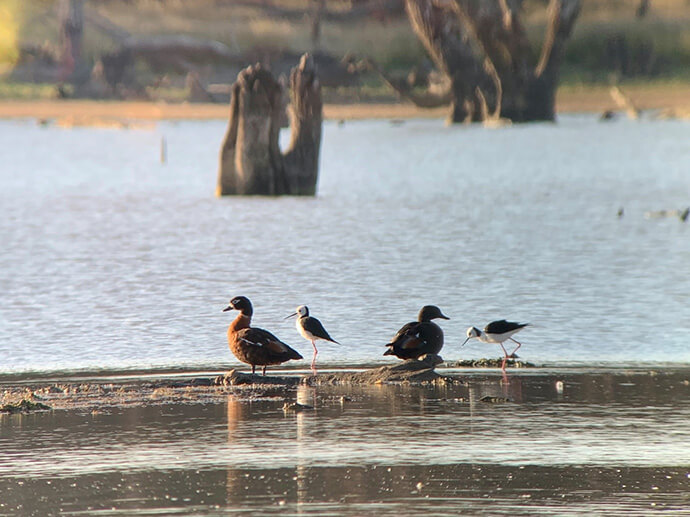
(571, 99)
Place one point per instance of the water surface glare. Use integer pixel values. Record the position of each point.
(113, 260)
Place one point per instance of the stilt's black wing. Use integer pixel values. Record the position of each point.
(316, 328)
(503, 326)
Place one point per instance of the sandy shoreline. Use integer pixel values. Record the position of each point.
(674, 98)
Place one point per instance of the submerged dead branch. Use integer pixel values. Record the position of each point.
(428, 99)
(624, 102)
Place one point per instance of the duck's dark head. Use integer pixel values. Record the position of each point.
(240, 303)
(431, 312)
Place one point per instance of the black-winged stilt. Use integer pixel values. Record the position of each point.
(311, 329)
(497, 332)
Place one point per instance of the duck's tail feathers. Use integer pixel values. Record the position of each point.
(293, 354)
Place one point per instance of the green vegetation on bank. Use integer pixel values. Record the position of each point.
(26, 91)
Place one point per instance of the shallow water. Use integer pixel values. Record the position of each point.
(609, 443)
(112, 260)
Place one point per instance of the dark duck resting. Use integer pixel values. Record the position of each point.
(251, 345)
(418, 338)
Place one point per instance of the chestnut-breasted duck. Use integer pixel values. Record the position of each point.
(311, 329)
(251, 345)
(420, 337)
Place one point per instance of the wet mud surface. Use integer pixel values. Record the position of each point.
(27, 396)
(533, 441)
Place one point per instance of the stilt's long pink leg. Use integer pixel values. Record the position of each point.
(512, 354)
(313, 361)
(503, 364)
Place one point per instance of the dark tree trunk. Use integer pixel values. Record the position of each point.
(482, 47)
(71, 17)
(250, 160)
(447, 45)
(317, 9)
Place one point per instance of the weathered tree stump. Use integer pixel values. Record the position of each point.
(251, 162)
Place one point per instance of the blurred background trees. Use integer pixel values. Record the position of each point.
(177, 50)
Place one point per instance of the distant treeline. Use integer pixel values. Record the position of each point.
(612, 40)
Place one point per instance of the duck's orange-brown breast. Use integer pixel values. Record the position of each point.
(239, 323)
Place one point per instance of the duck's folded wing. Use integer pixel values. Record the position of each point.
(411, 342)
(408, 337)
(401, 334)
(261, 338)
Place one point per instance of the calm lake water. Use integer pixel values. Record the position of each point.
(113, 260)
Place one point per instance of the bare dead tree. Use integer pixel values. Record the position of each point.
(317, 9)
(251, 162)
(482, 48)
(359, 10)
(71, 16)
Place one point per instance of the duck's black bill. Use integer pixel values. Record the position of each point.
(228, 308)
(444, 317)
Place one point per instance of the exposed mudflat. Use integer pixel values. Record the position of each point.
(95, 394)
(532, 441)
(40, 396)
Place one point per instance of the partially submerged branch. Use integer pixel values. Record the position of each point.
(624, 102)
(428, 99)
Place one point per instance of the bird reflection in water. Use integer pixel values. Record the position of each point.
(235, 415)
(306, 397)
